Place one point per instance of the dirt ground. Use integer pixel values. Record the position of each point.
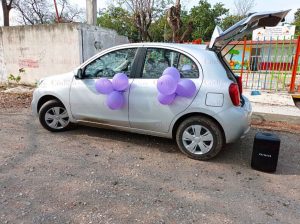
(90, 175)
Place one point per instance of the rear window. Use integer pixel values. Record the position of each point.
(226, 66)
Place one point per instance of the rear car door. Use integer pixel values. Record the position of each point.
(145, 111)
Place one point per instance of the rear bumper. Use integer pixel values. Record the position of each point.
(236, 121)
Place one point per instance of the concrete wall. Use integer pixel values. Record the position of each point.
(44, 50)
(95, 38)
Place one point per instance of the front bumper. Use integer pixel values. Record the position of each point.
(34, 102)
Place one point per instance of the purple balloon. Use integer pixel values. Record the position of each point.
(172, 71)
(120, 82)
(115, 100)
(166, 99)
(166, 85)
(186, 88)
(104, 86)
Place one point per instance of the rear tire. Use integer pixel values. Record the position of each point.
(199, 138)
(54, 117)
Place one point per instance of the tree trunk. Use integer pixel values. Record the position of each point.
(6, 9)
(174, 21)
(185, 36)
(6, 17)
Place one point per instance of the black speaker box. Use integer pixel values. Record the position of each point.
(265, 152)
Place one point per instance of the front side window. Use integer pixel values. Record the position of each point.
(158, 59)
(110, 64)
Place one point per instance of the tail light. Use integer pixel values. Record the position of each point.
(234, 94)
(239, 82)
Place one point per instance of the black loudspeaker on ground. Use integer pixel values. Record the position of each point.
(265, 152)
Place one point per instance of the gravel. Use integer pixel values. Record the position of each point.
(90, 175)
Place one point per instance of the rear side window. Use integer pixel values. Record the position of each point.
(187, 67)
(158, 59)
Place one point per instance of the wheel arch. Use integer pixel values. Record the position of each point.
(185, 116)
(45, 99)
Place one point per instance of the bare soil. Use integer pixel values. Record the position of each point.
(90, 175)
(15, 101)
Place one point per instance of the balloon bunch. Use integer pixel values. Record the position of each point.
(114, 89)
(169, 85)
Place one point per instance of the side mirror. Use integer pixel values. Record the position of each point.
(79, 74)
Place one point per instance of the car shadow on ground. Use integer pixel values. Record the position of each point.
(162, 144)
(236, 154)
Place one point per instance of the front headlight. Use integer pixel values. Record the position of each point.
(39, 82)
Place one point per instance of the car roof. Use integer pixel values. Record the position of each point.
(194, 49)
(185, 47)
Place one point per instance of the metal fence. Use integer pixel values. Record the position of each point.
(269, 64)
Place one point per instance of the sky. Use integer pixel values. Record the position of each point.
(261, 5)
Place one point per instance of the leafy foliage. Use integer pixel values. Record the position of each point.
(118, 19)
(205, 18)
(159, 30)
(229, 21)
(143, 13)
(14, 78)
(297, 21)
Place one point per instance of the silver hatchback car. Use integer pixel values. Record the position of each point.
(216, 113)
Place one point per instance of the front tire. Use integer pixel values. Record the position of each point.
(54, 117)
(199, 138)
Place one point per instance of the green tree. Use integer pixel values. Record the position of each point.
(297, 21)
(205, 18)
(144, 13)
(159, 29)
(137, 19)
(229, 21)
(118, 19)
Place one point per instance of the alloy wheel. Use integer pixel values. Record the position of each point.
(57, 117)
(197, 139)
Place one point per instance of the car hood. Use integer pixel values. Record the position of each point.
(59, 80)
(220, 39)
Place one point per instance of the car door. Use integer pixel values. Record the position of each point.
(89, 105)
(145, 111)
